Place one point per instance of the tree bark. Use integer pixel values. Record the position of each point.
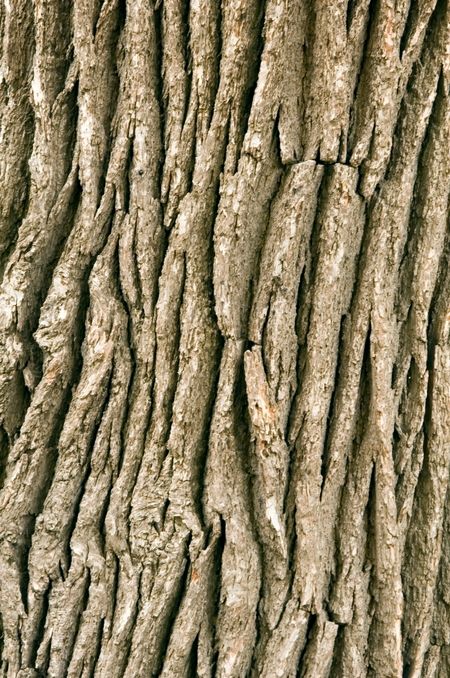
(225, 353)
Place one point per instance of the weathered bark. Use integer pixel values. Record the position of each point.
(225, 357)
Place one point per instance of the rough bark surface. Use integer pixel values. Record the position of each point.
(225, 357)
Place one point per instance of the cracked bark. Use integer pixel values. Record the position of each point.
(225, 357)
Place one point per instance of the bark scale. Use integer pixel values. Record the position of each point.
(225, 358)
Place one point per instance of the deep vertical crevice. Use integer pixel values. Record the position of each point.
(216, 589)
(191, 671)
(173, 385)
(174, 608)
(186, 11)
(98, 645)
(159, 87)
(85, 470)
(201, 462)
(411, 18)
(400, 129)
(40, 629)
(349, 13)
(312, 622)
(360, 75)
(77, 625)
(250, 79)
(333, 401)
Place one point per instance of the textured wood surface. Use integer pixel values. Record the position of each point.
(224, 338)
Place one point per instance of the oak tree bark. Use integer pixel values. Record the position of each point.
(225, 359)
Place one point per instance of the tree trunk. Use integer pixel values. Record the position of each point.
(225, 357)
